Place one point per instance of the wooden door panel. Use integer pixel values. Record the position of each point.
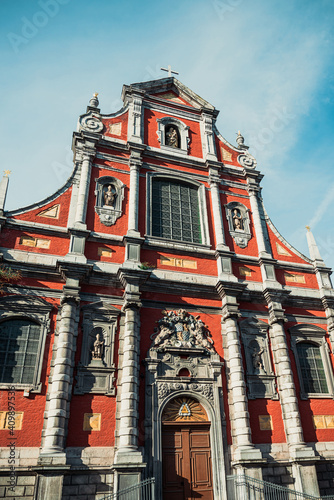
(201, 473)
(199, 440)
(186, 462)
(173, 484)
(172, 440)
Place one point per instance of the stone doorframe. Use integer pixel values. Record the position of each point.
(163, 384)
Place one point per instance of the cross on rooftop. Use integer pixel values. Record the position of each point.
(169, 69)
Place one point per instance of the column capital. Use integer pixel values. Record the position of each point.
(229, 293)
(274, 299)
(73, 270)
(214, 177)
(88, 155)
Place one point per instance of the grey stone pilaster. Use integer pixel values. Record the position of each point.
(305, 477)
(208, 143)
(135, 164)
(264, 251)
(238, 403)
(217, 210)
(59, 394)
(134, 98)
(127, 453)
(328, 303)
(81, 208)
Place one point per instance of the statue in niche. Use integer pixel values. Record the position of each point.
(237, 220)
(109, 196)
(172, 138)
(258, 365)
(97, 351)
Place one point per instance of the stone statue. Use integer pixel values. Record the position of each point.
(97, 351)
(201, 336)
(109, 196)
(258, 365)
(237, 220)
(172, 138)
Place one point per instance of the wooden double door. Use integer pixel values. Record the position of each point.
(186, 462)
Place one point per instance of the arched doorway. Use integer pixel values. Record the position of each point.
(186, 451)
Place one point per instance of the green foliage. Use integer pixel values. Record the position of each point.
(146, 265)
(7, 275)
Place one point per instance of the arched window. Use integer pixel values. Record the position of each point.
(311, 367)
(175, 211)
(19, 347)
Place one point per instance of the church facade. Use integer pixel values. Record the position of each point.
(162, 327)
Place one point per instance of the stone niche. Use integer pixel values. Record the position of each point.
(259, 373)
(96, 369)
(238, 223)
(109, 193)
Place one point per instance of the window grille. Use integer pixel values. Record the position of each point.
(175, 211)
(312, 368)
(19, 343)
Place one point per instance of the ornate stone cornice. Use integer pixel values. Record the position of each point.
(73, 270)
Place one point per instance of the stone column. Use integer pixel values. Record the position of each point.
(305, 476)
(133, 195)
(129, 384)
(127, 453)
(217, 211)
(259, 230)
(238, 402)
(54, 433)
(81, 209)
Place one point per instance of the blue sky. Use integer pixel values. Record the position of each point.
(266, 65)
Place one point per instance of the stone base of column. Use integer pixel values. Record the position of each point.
(247, 454)
(301, 453)
(305, 476)
(128, 467)
(131, 458)
(50, 458)
(50, 486)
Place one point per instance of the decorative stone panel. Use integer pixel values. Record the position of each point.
(259, 372)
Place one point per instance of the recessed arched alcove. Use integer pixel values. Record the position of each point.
(186, 450)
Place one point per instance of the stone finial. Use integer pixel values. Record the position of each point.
(240, 140)
(94, 102)
(3, 190)
(312, 245)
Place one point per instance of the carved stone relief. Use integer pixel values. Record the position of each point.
(91, 122)
(183, 330)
